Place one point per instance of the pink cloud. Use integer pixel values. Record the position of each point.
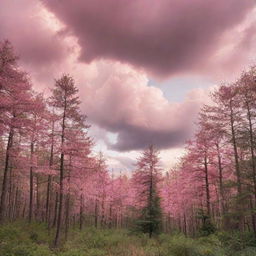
(139, 114)
(36, 44)
(163, 37)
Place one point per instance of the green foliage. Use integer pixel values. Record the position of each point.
(236, 241)
(151, 217)
(179, 245)
(207, 227)
(21, 239)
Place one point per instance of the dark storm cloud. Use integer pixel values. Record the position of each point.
(136, 138)
(163, 36)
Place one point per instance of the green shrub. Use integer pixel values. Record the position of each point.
(249, 251)
(21, 239)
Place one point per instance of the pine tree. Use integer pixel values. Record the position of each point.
(146, 180)
(15, 104)
(66, 101)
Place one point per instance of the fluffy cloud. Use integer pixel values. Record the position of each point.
(140, 115)
(163, 37)
(35, 41)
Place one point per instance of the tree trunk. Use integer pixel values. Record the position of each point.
(237, 169)
(151, 202)
(207, 190)
(221, 187)
(48, 195)
(96, 214)
(37, 199)
(67, 215)
(81, 212)
(185, 224)
(59, 220)
(234, 142)
(49, 181)
(4, 184)
(31, 186)
(55, 210)
(11, 194)
(249, 117)
(110, 216)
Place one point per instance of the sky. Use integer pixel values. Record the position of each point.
(143, 67)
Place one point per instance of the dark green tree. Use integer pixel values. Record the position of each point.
(146, 179)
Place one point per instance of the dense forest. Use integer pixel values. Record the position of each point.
(57, 192)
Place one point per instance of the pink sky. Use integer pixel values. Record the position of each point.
(114, 49)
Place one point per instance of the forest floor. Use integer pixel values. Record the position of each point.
(21, 239)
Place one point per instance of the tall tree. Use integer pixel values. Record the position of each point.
(35, 131)
(146, 180)
(229, 112)
(15, 104)
(66, 102)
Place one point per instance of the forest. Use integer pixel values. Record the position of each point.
(60, 198)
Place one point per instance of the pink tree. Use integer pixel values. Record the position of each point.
(36, 131)
(66, 101)
(15, 104)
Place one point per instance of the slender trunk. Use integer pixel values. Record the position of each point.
(31, 186)
(121, 217)
(48, 195)
(237, 169)
(24, 209)
(4, 184)
(207, 190)
(49, 181)
(151, 202)
(55, 210)
(67, 215)
(96, 214)
(102, 211)
(169, 223)
(59, 220)
(249, 116)
(179, 224)
(185, 224)
(11, 196)
(68, 200)
(31, 192)
(37, 199)
(15, 205)
(253, 216)
(234, 142)
(221, 187)
(110, 216)
(81, 212)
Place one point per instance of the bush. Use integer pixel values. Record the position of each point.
(21, 239)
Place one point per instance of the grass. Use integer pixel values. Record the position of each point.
(21, 239)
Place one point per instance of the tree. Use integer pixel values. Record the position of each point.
(66, 102)
(146, 180)
(247, 97)
(15, 95)
(35, 130)
(228, 112)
